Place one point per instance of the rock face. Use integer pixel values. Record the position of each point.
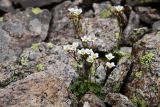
(92, 100)
(20, 30)
(39, 89)
(35, 3)
(63, 30)
(143, 87)
(118, 75)
(6, 6)
(118, 100)
(138, 2)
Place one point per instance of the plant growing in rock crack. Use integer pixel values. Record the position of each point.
(86, 61)
(75, 17)
(118, 12)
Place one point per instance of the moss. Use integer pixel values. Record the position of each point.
(138, 74)
(24, 60)
(35, 46)
(116, 87)
(49, 45)
(40, 67)
(1, 19)
(139, 102)
(146, 59)
(106, 13)
(37, 10)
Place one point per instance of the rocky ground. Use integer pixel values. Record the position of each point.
(35, 71)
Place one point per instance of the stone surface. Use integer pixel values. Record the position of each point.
(20, 30)
(147, 14)
(53, 60)
(39, 89)
(143, 87)
(156, 26)
(133, 23)
(118, 100)
(92, 100)
(139, 2)
(118, 75)
(35, 3)
(6, 6)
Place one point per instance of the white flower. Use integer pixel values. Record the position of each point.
(84, 39)
(88, 51)
(90, 38)
(94, 55)
(67, 47)
(118, 8)
(110, 65)
(81, 52)
(109, 56)
(86, 104)
(90, 59)
(75, 11)
(74, 46)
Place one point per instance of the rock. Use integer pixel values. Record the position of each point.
(118, 75)
(35, 3)
(39, 58)
(6, 6)
(143, 87)
(63, 31)
(147, 14)
(92, 100)
(133, 23)
(156, 26)
(20, 30)
(39, 89)
(118, 100)
(140, 2)
(102, 10)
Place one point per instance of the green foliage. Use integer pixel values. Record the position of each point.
(106, 13)
(24, 60)
(146, 59)
(139, 74)
(139, 102)
(40, 67)
(35, 46)
(1, 19)
(49, 45)
(116, 87)
(82, 86)
(37, 10)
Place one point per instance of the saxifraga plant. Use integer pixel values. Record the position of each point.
(87, 61)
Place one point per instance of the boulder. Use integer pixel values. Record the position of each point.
(21, 29)
(6, 6)
(118, 100)
(39, 89)
(35, 3)
(143, 86)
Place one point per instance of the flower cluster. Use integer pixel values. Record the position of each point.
(110, 57)
(75, 11)
(118, 8)
(72, 47)
(89, 52)
(90, 38)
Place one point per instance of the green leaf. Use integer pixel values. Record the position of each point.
(37, 10)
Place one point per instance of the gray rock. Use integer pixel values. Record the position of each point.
(156, 26)
(35, 3)
(118, 100)
(39, 89)
(147, 14)
(20, 30)
(133, 23)
(117, 76)
(6, 6)
(144, 82)
(93, 100)
(140, 2)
